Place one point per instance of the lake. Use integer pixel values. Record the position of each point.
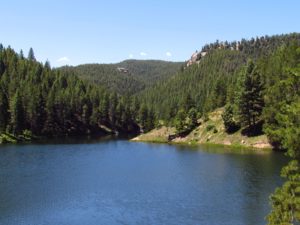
(120, 182)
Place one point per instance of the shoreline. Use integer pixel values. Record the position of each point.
(208, 145)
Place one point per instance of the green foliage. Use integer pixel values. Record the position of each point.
(17, 116)
(49, 102)
(210, 127)
(251, 101)
(136, 76)
(286, 199)
(282, 125)
(231, 125)
(180, 121)
(185, 122)
(146, 118)
(192, 118)
(31, 56)
(4, 114)
(282, 72)
(213, 81)
(205, 117)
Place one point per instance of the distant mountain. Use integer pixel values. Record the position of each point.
(127, 77)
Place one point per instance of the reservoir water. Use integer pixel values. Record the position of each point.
(121, 182)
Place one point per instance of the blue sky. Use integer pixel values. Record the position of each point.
(89, 31)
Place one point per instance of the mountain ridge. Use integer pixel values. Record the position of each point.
(128, 76)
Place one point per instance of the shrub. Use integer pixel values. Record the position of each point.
(230, 124)
(210, 127)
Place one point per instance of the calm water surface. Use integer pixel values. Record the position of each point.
(119, 182)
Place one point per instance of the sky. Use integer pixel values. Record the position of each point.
(88, 31)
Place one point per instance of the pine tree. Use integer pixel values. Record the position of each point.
(192, 115)
(104, 109)
(31, 56)
(86, 113)
(50, 124)
(37, 114)
(286, 199)
(188, 102)
(95, 117)
(4, 114)
(285, 126)
(228, 119)
(17, 114)
(251, 100)
(143, 116)
(21, 54)
(180, 121)
(113, 102)
(150, 123)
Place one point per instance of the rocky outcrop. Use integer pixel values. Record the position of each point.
(195, 58)
(122, 70)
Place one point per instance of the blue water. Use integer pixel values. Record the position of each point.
(120, 182)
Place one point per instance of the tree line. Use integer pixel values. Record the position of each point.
(49, 102)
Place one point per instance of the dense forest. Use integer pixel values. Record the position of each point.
(37, 100)
(127, 77)
(211, 83)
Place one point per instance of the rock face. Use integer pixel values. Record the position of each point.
(122, 70)
(195, 58)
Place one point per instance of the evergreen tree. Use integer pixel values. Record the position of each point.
(251, 100)
(4, 114)
(104, 109)
(192, 115)
(17, 114)
(86, 113)
(21, 54)
(188, 102)
(228, 119)
(95, 117)
(283, 126)
(143, 117)
(50, 124)
(180, 122)
(31, 56)
(113, 102)
(150, 123)
(37, 114)
(286, 199)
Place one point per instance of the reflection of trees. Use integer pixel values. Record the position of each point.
(259, 176)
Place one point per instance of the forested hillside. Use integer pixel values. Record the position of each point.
(127, 77)
(212, 81)
(35, 99)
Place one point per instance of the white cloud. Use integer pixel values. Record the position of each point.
(130, 56)
(143, 54)
(168, 54)
(63, 60)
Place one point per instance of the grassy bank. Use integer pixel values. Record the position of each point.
(210, 132)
